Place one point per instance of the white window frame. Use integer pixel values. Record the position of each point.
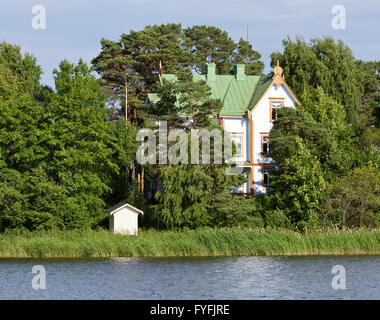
(272, 107)
(242, 135)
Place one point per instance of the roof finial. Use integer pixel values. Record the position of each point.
(277, 74)
(277, 70)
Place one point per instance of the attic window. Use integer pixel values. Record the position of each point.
(274, 105)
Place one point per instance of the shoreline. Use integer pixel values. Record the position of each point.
(224, 242)
(327, 254)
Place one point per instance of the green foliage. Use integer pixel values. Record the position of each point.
(370, 74)
(185, 194)
(296, 123)
(245, 54)
(191, 196)
(137, 59)
(324, 63)
(276, 218)
(186, 97)
(24, 67)
(83, 144)
(66, 154)
(299, 183)
(116, 66)
(229, 210)
(124, 152)
(23, 133)
(353, 200)
(210, 44)
(346, 148)
(56, 159)
(157, 49)
(326, 138)
(10, 85)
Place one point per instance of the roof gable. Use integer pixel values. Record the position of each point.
(121, 205)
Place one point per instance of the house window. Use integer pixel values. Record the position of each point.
(265, 177)
(238, 140)
(274, 105)
(265, 145)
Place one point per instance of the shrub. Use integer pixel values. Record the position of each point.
(276, 219)
(353, 200)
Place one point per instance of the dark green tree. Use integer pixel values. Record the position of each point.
(210, 44)
(324, 63)
(298, 184)
(244, 53)
(25, 67)
(353, 200)
(116, 67)
(185, 97)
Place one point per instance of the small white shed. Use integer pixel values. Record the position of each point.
(124, 218)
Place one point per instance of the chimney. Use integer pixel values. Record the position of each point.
(239, 71)
(210, 71)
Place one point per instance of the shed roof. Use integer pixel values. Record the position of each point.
(122, 205)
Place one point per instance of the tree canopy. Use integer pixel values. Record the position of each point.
(68, 153)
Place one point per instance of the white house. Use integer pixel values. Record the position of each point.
(124, 218)
(248, 113)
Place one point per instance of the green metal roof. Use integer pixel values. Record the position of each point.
(236, 95)
(262, 85)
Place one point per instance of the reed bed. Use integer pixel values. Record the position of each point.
(200, 242)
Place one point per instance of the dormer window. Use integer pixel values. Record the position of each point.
(274, 106)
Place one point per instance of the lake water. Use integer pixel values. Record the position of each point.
(193, 278)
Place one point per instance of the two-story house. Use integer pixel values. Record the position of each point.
(249, 110)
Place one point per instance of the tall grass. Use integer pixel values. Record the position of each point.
(200, 242)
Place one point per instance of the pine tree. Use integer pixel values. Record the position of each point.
(244, 53)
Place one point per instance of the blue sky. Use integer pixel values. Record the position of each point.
(75, 27)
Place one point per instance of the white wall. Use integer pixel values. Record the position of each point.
(262, 123)
(239, 125)
(125, 221)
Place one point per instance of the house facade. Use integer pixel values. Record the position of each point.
(248, 113)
